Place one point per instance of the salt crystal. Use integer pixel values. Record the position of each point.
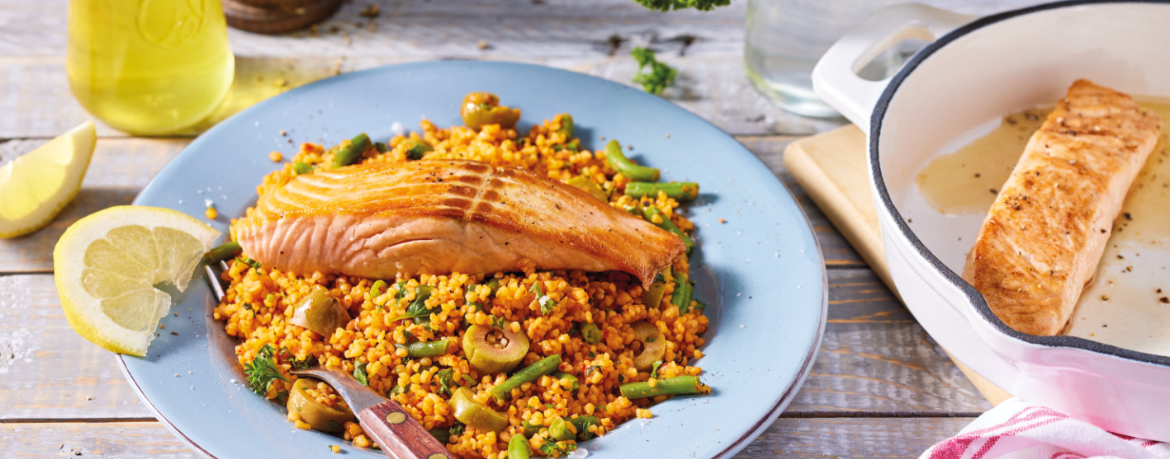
(397, 128)
(208, 203)
(579, 453)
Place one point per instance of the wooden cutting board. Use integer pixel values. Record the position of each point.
(831, 167)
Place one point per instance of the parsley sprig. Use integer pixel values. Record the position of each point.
(659, 75)
(262, 370)
(418, 308)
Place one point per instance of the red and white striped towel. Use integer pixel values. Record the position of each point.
(1015, 429)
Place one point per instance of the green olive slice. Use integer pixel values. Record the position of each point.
(320, 416)
(653, 345)
(475, 414)
(320, 312)
(589, 186)
(494, 350)
(481, 108)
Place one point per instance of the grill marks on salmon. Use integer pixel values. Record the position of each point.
(1045, 233)
(382, 220)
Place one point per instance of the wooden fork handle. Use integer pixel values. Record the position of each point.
(399, 435)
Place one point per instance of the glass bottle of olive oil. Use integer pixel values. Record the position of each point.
(149, 67)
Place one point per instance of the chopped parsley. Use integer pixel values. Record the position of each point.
(667, 5)
(547, 305)
(469, 379)
(456, 429)
(359, 373)
(262, 370)
(498, 322)
(559, 448)
(584, 431)
(445, 381)
(250, 262)
(302, 168)
(658, 76)
(654, 370)
(418, 308)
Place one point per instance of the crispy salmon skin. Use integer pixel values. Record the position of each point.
(1046, 231)
(382, 220)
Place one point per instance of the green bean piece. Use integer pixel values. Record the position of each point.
(591, 333)
(225, 251)
(683, 290)
(652, 297)
(416, 148)
(528, 374)
(381, 147)
(420, 349)
(566, 125)
(681, 191)
(560, 375)
(531, 429)
(351, 152)
(589, 186)
(561, 430)
(650, 211)
(493, 284)
(443, 435)
(618, 161)
(678, 385)
(582, 424)
(302, 168)
(518, 448)
(377, 289)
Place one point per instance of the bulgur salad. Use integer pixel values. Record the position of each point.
(529, 360)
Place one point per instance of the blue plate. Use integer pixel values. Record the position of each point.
(761, 273)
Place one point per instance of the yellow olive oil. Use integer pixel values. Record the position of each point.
(148, 67)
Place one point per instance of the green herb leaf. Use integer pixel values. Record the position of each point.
(469, 379)
(250, 262)
(658, 76)
(445, 381)
(302, 168)
(547, 305)
(584, 433)
(537, 289)
(418, 308)
(359, 373)
(457, 429)
(654, 369)
(262, 370)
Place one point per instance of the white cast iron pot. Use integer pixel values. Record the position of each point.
(977, 71)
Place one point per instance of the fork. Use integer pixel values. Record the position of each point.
(398, 434)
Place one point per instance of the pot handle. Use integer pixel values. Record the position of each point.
(835, 77)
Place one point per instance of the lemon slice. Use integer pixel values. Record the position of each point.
(37, 185)
(108, 264)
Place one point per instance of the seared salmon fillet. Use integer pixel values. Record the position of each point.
(383, 220)
(1047, 229)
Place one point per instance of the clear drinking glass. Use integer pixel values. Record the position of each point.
(785, 38)
(149, 67)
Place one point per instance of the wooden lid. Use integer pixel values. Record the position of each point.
(277, 16)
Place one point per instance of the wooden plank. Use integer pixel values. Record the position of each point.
(38, 102)
(437, 29)
(49, 371)
(874, 359)
(788, 437)
(122, 166)
(852, 437)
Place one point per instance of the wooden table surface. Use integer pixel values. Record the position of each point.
(880, 386)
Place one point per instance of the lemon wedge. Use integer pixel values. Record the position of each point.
(37, 185)
(108, 264)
